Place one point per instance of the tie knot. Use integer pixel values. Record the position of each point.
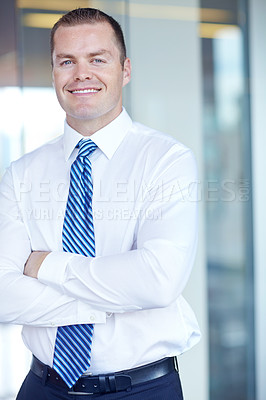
(86, 147)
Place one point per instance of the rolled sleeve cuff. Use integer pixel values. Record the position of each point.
(53, 268)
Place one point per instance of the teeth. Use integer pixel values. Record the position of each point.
(85, 91)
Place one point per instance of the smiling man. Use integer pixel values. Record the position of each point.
(98, 285)
(89, 73)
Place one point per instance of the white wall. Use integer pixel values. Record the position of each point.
(258, 121)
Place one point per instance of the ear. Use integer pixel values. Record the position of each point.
(53, 75)
(126, 71)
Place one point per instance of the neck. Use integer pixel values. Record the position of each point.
(89, 127)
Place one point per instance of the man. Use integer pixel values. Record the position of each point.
(98, 235)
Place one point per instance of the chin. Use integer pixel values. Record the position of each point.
(83, 114)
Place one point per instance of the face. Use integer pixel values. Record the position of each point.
(88, 76)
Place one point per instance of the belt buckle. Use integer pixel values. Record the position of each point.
(79, 393)
(104, 384)
(72, 392)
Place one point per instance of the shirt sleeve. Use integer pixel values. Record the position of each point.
(154, 274)
(24, 300)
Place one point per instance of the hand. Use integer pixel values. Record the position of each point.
(34, 263)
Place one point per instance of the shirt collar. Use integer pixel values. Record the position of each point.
(107, 139)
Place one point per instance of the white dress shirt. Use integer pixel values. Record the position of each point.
(145, 222)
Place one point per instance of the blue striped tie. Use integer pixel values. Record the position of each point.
(73, 342)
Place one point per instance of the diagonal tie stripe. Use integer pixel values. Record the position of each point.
(73, 342)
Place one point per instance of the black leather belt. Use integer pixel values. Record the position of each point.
(115, 382)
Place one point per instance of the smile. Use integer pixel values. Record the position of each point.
(85, 91)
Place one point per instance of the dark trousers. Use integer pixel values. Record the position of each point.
(167, 387)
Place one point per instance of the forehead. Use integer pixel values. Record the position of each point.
(85, 35)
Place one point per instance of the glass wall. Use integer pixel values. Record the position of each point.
(189, 80)
(229, 202)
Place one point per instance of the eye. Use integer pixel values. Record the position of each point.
(98, 61)
(66, 62)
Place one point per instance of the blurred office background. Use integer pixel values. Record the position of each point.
(199, 74)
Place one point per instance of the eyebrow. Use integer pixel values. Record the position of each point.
(93, 54)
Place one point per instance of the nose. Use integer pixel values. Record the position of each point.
(82, 72)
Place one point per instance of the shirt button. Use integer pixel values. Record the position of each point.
(92, 318)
